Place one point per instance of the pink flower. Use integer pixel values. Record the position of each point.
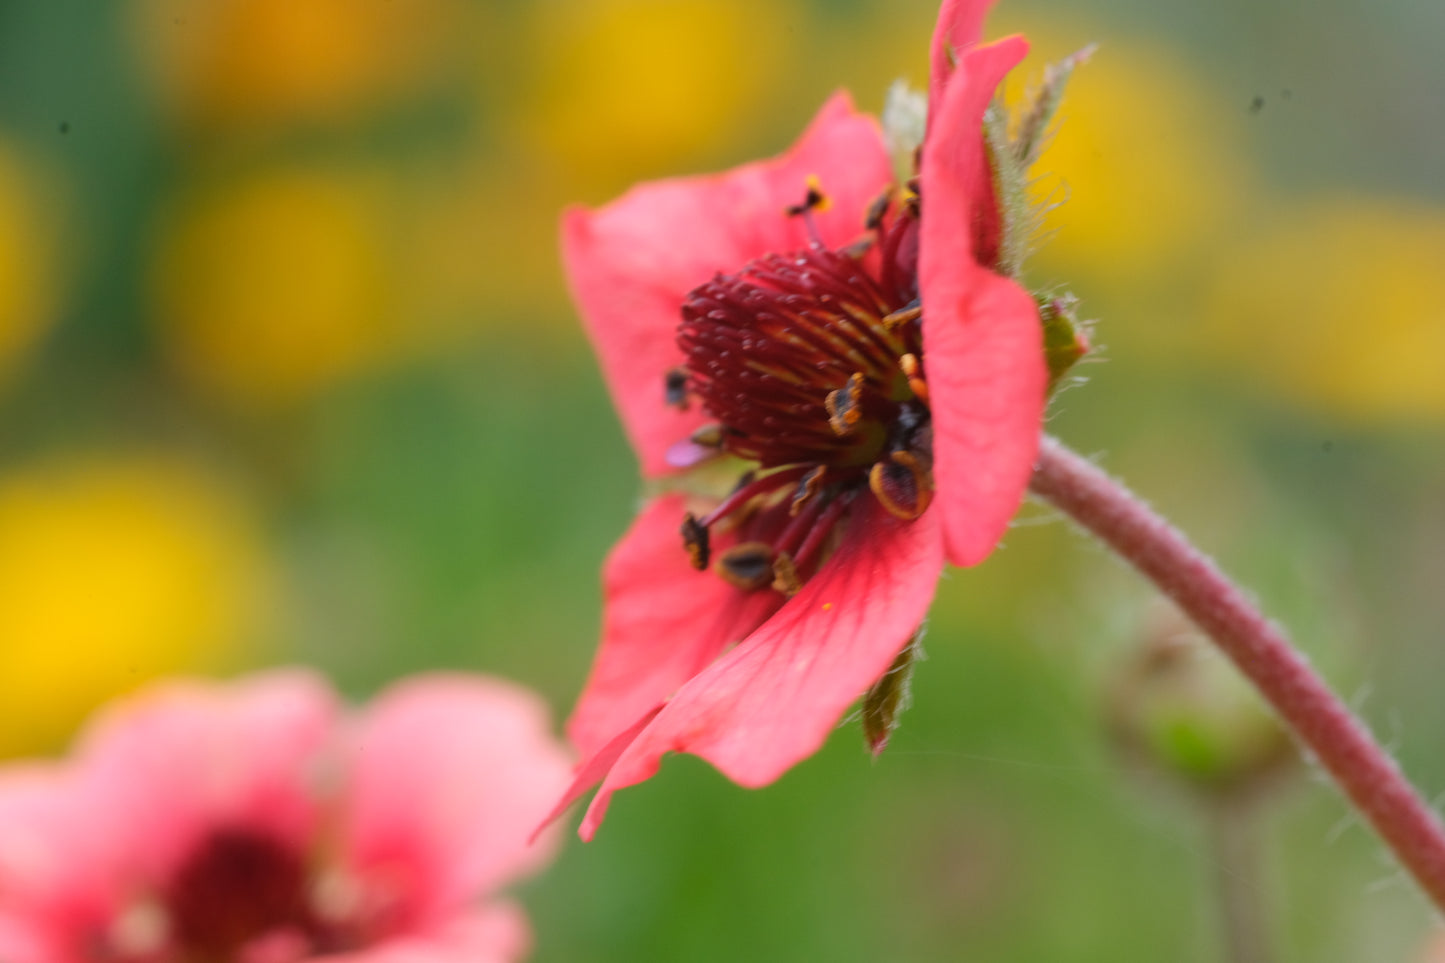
(883, 379)
(258, 822)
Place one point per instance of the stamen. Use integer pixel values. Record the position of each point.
(873, 220)
(695, 540)
(708, 436)
(814, 200)
(807, 488)
(800, 525)
(844, 405)
(675, 388)
(813, 544)
(903, 484)
(898, 318)
(785, 575)
(747, 565)
(751, 490)
(913, 371)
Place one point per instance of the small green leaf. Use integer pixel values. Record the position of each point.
(890, 695)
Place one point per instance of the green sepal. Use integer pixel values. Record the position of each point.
(1018, 216)
(1066, 338)
(1033, 127)
(890, 695)
(1012, 150)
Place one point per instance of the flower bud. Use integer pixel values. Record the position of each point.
(1179, 708)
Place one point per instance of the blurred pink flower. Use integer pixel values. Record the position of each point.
(259, 822)
(854, 340)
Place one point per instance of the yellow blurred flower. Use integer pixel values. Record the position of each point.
(28, 237)
(1145, 159)
(485, 249)
(627, 88)
(114, 570)
(273, 287)
(1340, 307)
(228, 61)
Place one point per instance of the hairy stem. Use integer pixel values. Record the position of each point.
(1316, 716)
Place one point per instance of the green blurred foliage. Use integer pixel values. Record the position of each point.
(289, 270)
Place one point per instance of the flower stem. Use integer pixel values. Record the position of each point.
(1235, 864)
(1319, 720)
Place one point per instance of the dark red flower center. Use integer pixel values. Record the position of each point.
(239, 886)
(241, 893)
(811, 364)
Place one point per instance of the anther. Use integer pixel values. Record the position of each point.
(878, 210)
(913, 371)
(747, 565)
(807, 488)
(785, 575)
(708, 436)
(898, 318)
(695, 540)
(844, 405)
(903, 484)
(814, 200)
(675, 388)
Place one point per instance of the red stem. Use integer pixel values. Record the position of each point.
(1319, 720)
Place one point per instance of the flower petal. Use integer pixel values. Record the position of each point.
(772, 700)
(987, 381)
(981, 333)
(182, 757)
(449, 774)
(956, 145)
(495, 933)
(959, 27)
(55, 853)
(595, 767)
(665, 622)
(630, 264)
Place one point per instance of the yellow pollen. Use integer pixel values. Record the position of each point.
(815, 190)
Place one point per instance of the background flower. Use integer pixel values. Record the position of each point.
(114, 570)
(259, 818)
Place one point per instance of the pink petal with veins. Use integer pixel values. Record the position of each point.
(665, 622)
(772, 701)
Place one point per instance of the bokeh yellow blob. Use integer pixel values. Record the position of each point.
(114, 570)
(1340, 307)
(273, 287)
(1145, 160)
(228, 61)
(28, 237)
(626, 88)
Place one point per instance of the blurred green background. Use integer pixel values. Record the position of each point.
(288, 374)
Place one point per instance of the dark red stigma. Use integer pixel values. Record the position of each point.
(811, 364)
